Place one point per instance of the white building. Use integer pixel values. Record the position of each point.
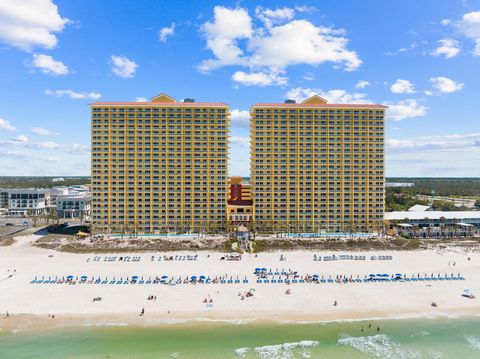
(29, 201)
(399, 184)
(73, 206)
(434, 218)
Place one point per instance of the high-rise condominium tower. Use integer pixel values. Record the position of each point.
(159, 165)
(318, 166)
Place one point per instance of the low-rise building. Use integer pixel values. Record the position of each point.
(73, 206)
(240, 208)
(3, 198)
(28, 201)
(434, 218)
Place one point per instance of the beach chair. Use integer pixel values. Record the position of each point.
(259, 281)
(301, 281)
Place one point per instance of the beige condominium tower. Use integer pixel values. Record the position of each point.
(159, 166)
(317, 166)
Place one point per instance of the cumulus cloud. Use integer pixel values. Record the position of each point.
(165, 32)
(240, 140)
(448, 48)
(123, 67)
(27, 24)
(333, 96)
(278, 42)
(141, 99)
(445, 85)
(402, 110)
(273, 17)
(6, 125)
(240, 118)
(259, 78)
(402, 86)
(222, 35)
(22, 139)
(469, 26)
(47, 65)
(40, 131)
(74, 95)
(362, 84)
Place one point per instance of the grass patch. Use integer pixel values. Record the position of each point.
(7, 242)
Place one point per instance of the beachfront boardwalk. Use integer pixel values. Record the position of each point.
(295, 285)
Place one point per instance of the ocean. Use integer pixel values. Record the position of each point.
(402, 338)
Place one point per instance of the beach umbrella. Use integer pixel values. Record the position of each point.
(83, 277)
(398, 275)
(385, 275)
(315, 276)
(202, 277)
(371, 275)
(166, 276)
(194, 277)
(69, 276)
(135, 277)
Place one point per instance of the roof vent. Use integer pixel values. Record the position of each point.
(188, 99)
(290, 101)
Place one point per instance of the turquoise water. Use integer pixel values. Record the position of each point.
(445, 338)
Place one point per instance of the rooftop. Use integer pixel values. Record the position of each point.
(162, 100)
(316, 101)
(433, 215)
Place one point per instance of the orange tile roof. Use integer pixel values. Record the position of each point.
(321, 105)
(160, 104)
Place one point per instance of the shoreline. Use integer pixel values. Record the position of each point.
(25, 322)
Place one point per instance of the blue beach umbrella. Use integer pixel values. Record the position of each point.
(135, 277)
(164, 276)
(69, 276)
(202, 277)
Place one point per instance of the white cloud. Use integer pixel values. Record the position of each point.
(301, 42)
(222, 35)
(469, 26)
(273, 17)
(123, 67)
(22, 139)
(332, 96)
(74, 95)
(240, 140)
(40, 131)
(30, 23)
(402, 86)
(48, 65)
(259, 78)
(428, 92)
(445, 85)
(141, 99)
(240, 118)
(362, 84)
(271, 48)
(448, 47)
(409, 108)
(165, 32)
(6, 125)
(309, 76)
(446, 22)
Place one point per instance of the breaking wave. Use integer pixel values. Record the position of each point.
(380, 346)
(280, 351)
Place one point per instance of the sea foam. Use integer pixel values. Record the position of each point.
(380, 346)
(473, 341)
(280, 351)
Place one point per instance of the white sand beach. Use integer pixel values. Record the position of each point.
(72, 304)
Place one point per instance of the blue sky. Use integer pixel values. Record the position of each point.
(421, 58)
